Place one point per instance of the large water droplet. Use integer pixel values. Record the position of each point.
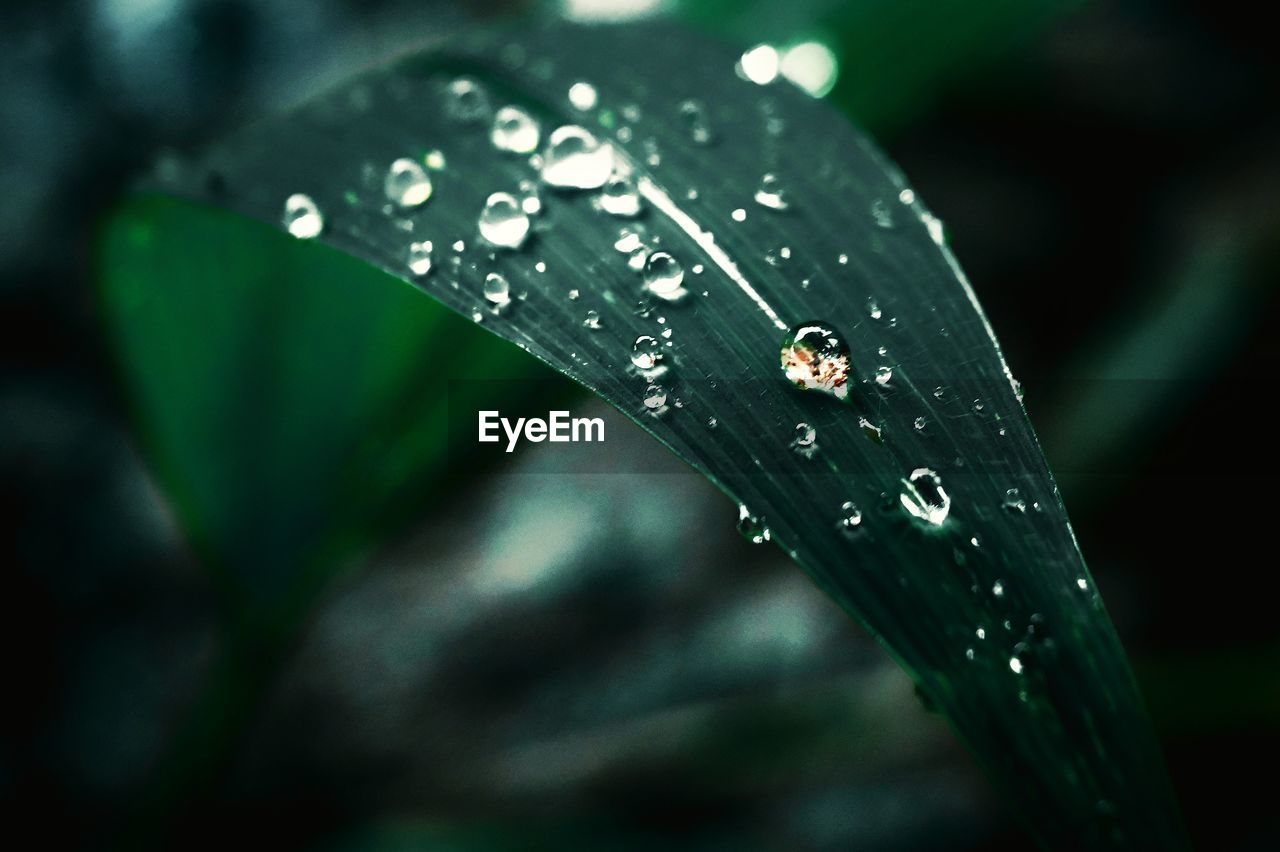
(924, 498)
(420, 257)
(646, 352)
(503, 222)
(514, 130)
(771, 194)
(574, 159)
(663, 275)
(815, 358)
(619, 197)
(302, 217)
(752, 528)
(497, 290)
(407, 183)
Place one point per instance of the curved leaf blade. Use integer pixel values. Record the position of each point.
(992, 610)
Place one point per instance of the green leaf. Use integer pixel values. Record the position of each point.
(982, 595)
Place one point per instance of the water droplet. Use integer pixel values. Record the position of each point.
(881, 213)
(873, 309)
(497, 290)
(583, 96)
(813, 357)
(884, 375)
(694, 114)
(712, 422)
(1013, 501)
(980, 633)
(592, 320)
(968, 653)
(924, 498)
(655, 397)
(850, 517)
(752, 528)
(420, 257)
(759, 65)
(935, 228)
(812, 66)
(873, 432)
(1015, 665)
(435, 160)
(739, 215)
(466, 101)
(907, 196)
(920, 424)
(514, 130)
(663, 275)
(406, 183)
(619, 197)
(503, 222)
(805, 438)
(997, 588)
(771, 194)
(530, 200)
(1082, 583)
(575, 159)
(646, 352)
(302, 217)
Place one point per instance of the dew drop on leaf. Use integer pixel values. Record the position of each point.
(924, 498)
(420, 257)
(574, 159)
(814, 357)
(752, 528)
(619, 197)
(503, 222)
(663, 275)
(592, 320)
(466, 101)
(406, 183)
(496, 289)
(759, 65)
(302, 217)
(583, 96)
(694, 115)
(850, 517)
(771, 194)
(884, 375)
(646, 352)
(655, 397)
(514, 130)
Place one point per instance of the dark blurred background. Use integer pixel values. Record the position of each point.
(1109, 175)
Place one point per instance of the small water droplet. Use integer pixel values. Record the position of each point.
(920, 424)
(907, 196)
(619, 197)
(466, 101)
(663, 275)
(497, 290)
(1013, 501)
(1082, 583)
(694, 115)
(1015, 665)
(752, 528)
(420, 257)
(771, 194)
(873, 432)
(583, 96)
(406, 183)
(873, 309)
(514, 130)
(850, 517)
(646, 352)
(739, 215)
(575, 159)
(302, 217)
(503, 222)
(805, 436)
(760, 65)
(881, 213)
(924, 498)
(712, 422)
(435, 160)
(813, 357)
(884, 375)
(655, 397)
(592, 320)
(980, 633)
(997, 588)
